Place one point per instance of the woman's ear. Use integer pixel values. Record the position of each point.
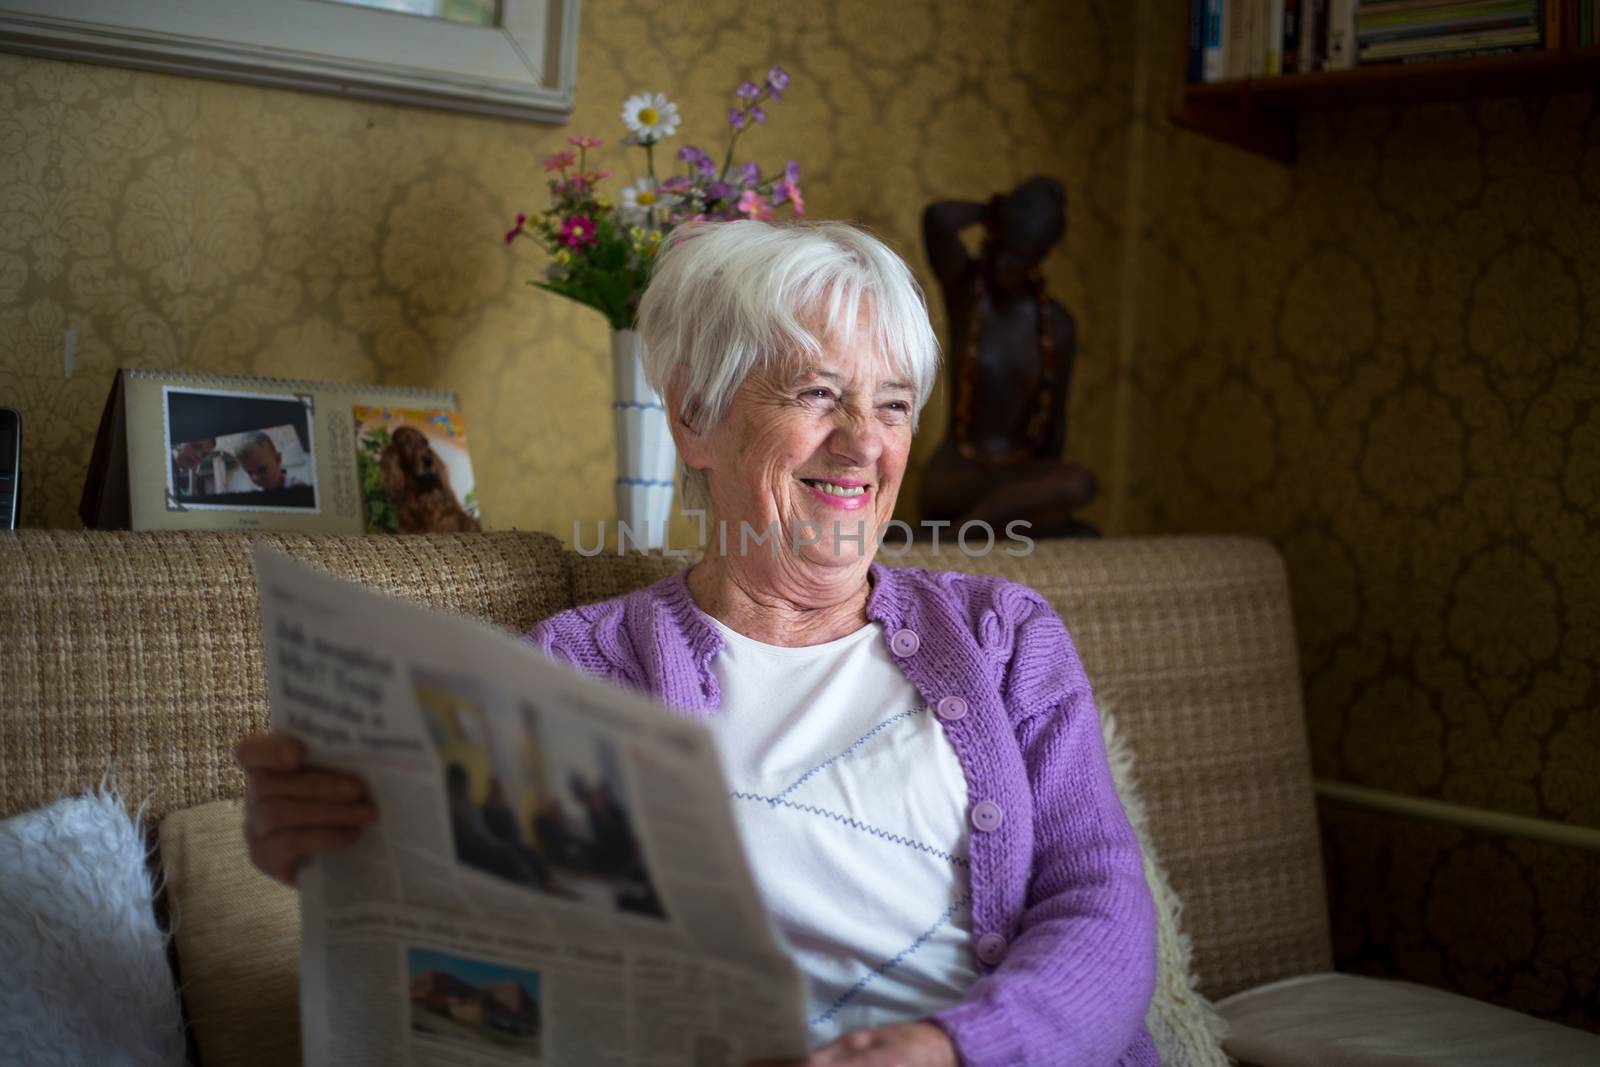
(681, 419)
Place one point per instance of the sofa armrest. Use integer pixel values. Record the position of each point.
(1345, 1020)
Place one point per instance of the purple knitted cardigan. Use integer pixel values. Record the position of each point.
(1061, 919)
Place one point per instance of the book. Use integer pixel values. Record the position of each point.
(1274, 57)
(1341, 39)
(1258, 37)
(1313, 31)
(1236, 39)
(1197, 40)
(1453, 44)
(181, 451)
(1449, 29)
(1211, 60)
(1291, 37)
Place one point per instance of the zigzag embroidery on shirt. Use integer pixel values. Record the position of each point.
(857, 743)
(854, 824)
(888, 965)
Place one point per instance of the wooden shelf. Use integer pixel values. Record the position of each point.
(1261, 114)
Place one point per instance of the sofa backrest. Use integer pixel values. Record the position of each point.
(142, 653)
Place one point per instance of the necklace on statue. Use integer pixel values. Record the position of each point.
(967, 383)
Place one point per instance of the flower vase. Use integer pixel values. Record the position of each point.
(646, 459)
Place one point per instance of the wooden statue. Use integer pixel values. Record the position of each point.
(1010, 357)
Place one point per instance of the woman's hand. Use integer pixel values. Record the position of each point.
(900, 1045)
(292, 812)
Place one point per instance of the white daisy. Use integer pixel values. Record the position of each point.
(642, 199)
(651, 116)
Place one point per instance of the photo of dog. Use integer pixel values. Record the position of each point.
(415, 472)
(419, 484)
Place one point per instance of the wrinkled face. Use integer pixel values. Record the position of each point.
(264, 465)
(819, 450)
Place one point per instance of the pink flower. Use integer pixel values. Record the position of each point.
(516, 231)
(755, 206)
(578, 232)
(560, 161)
(585, 142)
(788, 190)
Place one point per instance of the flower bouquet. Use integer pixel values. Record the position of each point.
(602, 250)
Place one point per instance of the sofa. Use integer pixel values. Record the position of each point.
(139, 654)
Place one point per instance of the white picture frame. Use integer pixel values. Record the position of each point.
(524, 68)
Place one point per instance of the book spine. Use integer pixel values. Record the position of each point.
(1448, 45)
(1367, 20)
(1274, 38)
(1197, 36)
(1253, 34)
(1236, 42)
(1291, 37)
(1434, 57)
(1313, 28)
(1212, 60)
(1450, 29)
(1341, 34)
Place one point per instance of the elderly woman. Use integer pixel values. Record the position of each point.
(915, 756)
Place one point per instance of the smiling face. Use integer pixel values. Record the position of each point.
(818, 449)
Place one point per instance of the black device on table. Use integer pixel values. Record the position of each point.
(10, 468)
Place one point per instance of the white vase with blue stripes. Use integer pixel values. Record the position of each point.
(646, 459)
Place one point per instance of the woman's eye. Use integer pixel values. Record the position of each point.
(818, 394)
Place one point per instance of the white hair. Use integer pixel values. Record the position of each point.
(730, 298)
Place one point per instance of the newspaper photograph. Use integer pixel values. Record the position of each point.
(554, 876)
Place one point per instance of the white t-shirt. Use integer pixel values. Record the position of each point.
(852, 808)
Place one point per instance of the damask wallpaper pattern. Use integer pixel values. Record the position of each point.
(184, 223)
(1382, 358)
(1385, 358)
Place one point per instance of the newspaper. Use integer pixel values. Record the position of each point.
(554, 875)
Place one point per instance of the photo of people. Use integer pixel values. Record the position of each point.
(475, 1003)
(416, 475)
(239, 451)
(551, 811)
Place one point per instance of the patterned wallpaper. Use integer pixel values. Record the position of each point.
(1381, 358)
(186, 223)
(1386, 359)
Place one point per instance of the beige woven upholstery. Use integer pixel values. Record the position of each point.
(142, 651)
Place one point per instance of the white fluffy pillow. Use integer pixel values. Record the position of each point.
(86, 974)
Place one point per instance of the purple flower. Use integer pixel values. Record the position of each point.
(774, 95)
(516, 231)
(751, 173)
(757, 115)
(720, 191)
(736, 118)
(792, 171)
(706, 165)
(777, 79)
(690, 154)
(676, 184)
(747, 91)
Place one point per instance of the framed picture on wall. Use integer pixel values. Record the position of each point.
(513, 58)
